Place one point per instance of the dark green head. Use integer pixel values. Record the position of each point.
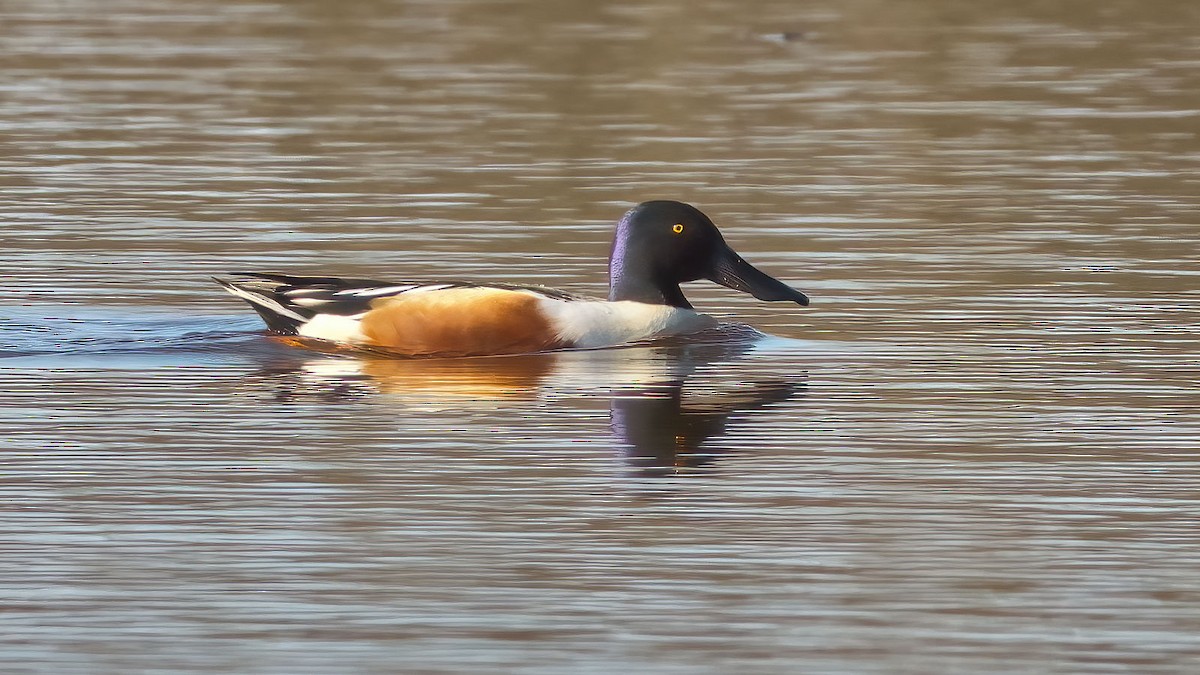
(661, 244)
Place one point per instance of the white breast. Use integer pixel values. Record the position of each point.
(596, 323)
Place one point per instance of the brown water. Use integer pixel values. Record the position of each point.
(976, 452)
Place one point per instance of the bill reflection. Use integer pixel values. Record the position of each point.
(665, 428)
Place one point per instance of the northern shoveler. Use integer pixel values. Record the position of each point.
(657, 246)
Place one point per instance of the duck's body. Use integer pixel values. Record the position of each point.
(657, 245)
(453, 319)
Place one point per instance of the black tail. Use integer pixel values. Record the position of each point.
(280, 315)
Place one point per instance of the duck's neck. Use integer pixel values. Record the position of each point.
(628, 287)
(631, 277)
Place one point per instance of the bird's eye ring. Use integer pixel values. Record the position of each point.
(677, 228)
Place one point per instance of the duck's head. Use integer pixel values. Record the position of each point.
(661, 244)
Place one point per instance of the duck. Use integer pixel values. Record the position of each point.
(656, 246)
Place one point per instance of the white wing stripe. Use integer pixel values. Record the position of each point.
(265, 302)
(310, 302)
(372, 292)
(392, 290)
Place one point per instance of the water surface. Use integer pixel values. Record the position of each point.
(975, 452)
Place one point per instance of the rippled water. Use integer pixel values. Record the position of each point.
(976, 451)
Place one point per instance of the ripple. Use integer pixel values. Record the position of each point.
(973, 453)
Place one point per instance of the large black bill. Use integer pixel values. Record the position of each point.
(730, 270)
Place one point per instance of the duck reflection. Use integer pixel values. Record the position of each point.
(454, 383)
(662, 430)
(670, 404)
(677, 422)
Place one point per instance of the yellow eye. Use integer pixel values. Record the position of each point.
(677, 228)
